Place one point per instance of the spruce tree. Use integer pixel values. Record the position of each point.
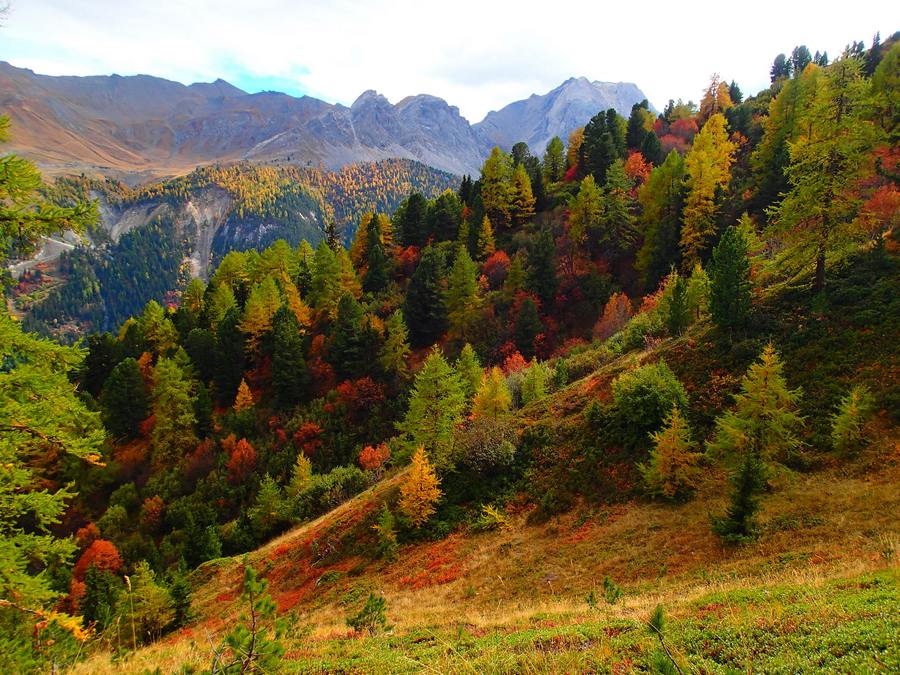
(554, 161)
(124, 400)
(618, 230)
(462, 299)
(229, 363)
(729, 281)
(173, 434)
(678, 317)
(661, 199)
(737, 524)
(353, 342)
(412, 221)
(376, 278)
(290, 376)
(528, 327)
(423, 307)
(542, 279)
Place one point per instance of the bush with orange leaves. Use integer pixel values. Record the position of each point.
(615, 316)
(373, 458)
(242, 461)
(101, 554)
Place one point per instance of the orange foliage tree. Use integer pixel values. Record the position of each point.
(421, 490)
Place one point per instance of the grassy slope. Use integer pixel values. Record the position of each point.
(817, 591)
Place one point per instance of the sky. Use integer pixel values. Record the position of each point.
(478, 55)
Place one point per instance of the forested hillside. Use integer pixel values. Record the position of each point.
(686, 319)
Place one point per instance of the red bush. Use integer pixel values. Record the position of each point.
(242, 461)
(373, 458)
(101, 554)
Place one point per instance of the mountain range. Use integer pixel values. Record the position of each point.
(148, 126)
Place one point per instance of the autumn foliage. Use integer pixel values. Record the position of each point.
(101, 554)
(421, 490)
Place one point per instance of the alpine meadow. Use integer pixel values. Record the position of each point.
(295, 385)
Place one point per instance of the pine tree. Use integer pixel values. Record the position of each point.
(764, 420)
(729, 281)
(485, 245)
(462, 299)
(229, 362)
(708, 171)
(421, 490)
(672, 470)
(618, 231)
(325, 292)
(423, 307)
(290, 376)
(354, 341)
(394, 353)
(436, 405)
(468, 367)
(124, 400)
(554, 161)
(492, 399)
(173, 433)
(411, 222)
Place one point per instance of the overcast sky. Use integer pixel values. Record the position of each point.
(478, 55)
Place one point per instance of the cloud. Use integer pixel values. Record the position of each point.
(477, 55)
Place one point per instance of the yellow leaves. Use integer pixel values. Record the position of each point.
(244, 398)
(421, 490)
(492, 398)
(71, 624)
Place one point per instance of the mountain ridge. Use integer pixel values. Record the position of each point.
(116, 124)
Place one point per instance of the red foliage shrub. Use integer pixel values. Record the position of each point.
(637, 168)
(242, 461)
(202, 460)
(373, 458)
(571, 174)
(670, 142)
(87, 535)
(514, 363)
(308, 438)
(407, 259)
(685, 129)
(101, 554)
(495, 268)
(152, 512)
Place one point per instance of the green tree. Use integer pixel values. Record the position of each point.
(554, 161)
(101, 594)
(678, 317)
(729, 281)
(493, 398)
(230, 356)
(444, 216)
(436, 405)
(585, 210)
(423, 307)
(485, 245)
(468, 367)
(268, 510)
(817, 214)
(462, 299)
(124, 400)
(707, 173)
(290, 376)
(849, 419)
(173, 433)
(353, 342)
(528, 327)
(672, 470)
(376, 278)
(737, 524)
(522, 197)
(534, 384)
(542, 279)
(634, 136)
(325, 290)
(496, 188)
(395, 351)
(661, 199)
(764, 421)
(410, 217)
(603, 144)
(618, 231)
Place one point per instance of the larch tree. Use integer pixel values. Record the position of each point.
(554, 161)
(469, 369)
(485, 245)
(462, 299)
(493, 399)
(496, 188)
(661, 199)
(436, 405)
(764, 420)
(521, 197)
(395, 351)
(707, 173)
(325, 291)
(585, 210)
(262, 304)
(420, 491)
(173, 434)
(817, 216)
(243, 400)
(672, 470)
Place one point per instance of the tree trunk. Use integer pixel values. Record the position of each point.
(819, 283)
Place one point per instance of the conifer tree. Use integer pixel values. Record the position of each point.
(618, 232)
(554, 161)
(485, 245)
(765, 419)
(492, 399)
(661, 199)
(421, 490)
(678, 317)
(411, 222)
(444, 216)
(395, 350)
(849, 419)
(534, 384)
(262, 304)
(528, 327)
(229, 362)
(290, 376)
(698, 293)
(737, 524)
(585, 210)
(515, 277)
(468, 367)
(496, 188)
(462, 299)
(708, 171)
(542, 278)
(354, 342)
(173, 433)
(436, 405)
(243, 400)
(522, 197)
(221, 300)
(672, 470)
(325, 291)
(423, 307)
(729, 281)
(359, 248)
(301, 474)
(124, 399)
(651, 148)
(634, 135)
